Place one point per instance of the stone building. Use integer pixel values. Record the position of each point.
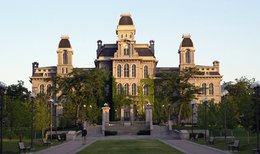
(132, 65)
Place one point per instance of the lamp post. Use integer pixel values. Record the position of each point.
(192, 114)
(256, 87)
(32, 96)
(224, 96)
(205, 102)
(2, 91)
(51, 102)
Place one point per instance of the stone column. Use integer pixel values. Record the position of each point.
(131, 112)
(105, 117)
(149, 115)
(122, 114)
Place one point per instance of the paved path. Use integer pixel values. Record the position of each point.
(72, 147)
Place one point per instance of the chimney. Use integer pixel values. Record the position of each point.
(99, 46)
(152, 46)
(34, 66)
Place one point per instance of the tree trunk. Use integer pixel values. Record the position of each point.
(179, 114)
(248, 137)
(77, 114)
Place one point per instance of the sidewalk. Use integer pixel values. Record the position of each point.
(72, 147)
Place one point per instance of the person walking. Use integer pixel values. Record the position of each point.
(84, 133)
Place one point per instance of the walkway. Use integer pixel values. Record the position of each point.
(72, 147)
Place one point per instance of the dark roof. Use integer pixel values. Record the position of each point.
(125, 20)
(214, 73)
(166, 69)
(64, 43)
(144, 52)
(187, 42)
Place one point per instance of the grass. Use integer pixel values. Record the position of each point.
(129, 147)
(11, 146)
(239, 134)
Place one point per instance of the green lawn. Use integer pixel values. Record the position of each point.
(11, 146)
(240, 134)
(129, 147)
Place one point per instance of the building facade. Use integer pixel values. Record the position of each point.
(132, 66)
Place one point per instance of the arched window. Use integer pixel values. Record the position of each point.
(119, 71)
(146, 72)
(126, 70)
(134, 89)
(62, 70)
(145, 90)
(119, 88)
(211, 89)
(134, 71)
(204, 89)
(188, 60)
(49, 90)
(41, 88)
(126, 89)
(65, 57)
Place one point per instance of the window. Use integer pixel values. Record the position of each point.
(146, 72)
(126, 89)
(204, 89)
(188, 60)
(126, 70)
(119, 88)
(145, 90)
(62, 70)
(211, 89)
(134, 89)
(65, 57)
(119, 71)
(134, 71)
(127, 49)
(41, 88)
(49, 89)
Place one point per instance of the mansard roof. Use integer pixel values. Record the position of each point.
(125, 20)
(186, 42)
(64, 43)
(144, 52)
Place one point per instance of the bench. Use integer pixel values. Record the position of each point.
(211, 140)
(23, 148)
(45, 142)
(234, 145)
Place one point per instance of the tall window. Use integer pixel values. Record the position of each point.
(42, 88)
(146, 72)
(134, 89)
(145, 90)
(211, 89)
(119, 88)
(126, 70)
(188, 60)
(119, 71)
(49, 89)
(126, 89)
(134, 71)
(127, 49)
(65, 57)
(204, 89)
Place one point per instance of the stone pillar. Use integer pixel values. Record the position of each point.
(105, 117)
(131, 112)
(122, 114)
(149, 115)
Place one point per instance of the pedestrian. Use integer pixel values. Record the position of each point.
(84, 133)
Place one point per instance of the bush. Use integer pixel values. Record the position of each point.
(109, 133)
(144, 132)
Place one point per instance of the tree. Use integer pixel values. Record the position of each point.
(176, 88)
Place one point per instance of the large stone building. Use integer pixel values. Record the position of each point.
(132, 66)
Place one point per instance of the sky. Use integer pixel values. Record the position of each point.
(223, 30)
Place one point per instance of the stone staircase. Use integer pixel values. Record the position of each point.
(127, 128)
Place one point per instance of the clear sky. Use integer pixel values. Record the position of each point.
(223, 30)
